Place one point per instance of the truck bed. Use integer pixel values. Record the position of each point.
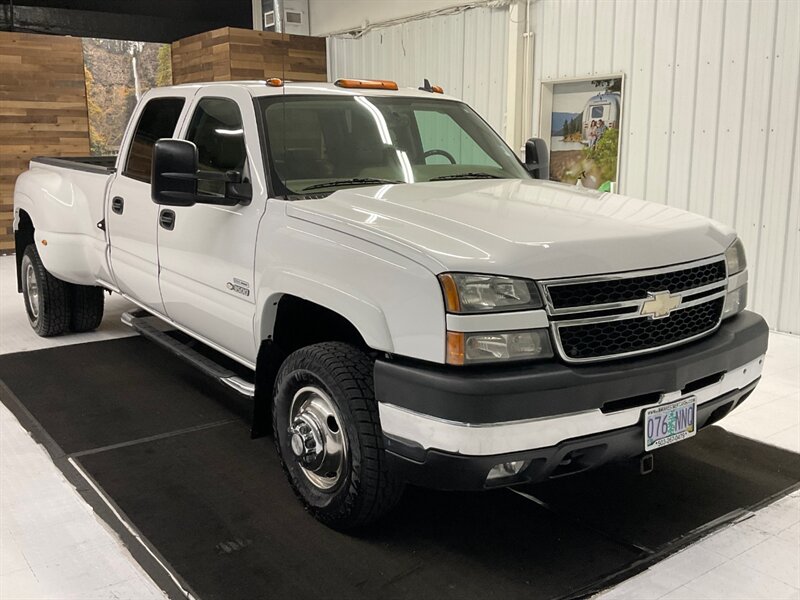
(104, 165)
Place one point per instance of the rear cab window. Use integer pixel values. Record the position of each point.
(158, 120)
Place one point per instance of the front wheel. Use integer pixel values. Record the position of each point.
(328, 435)
(46, 297)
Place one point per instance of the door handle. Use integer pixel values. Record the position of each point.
(166, 218)
(118, 204)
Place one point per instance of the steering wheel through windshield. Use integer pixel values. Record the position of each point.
(437, 152)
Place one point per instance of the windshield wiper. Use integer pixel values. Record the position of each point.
(476, 175)
(353, 181)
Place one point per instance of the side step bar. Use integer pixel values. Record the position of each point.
(144, 323)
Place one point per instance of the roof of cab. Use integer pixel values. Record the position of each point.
(261, 88)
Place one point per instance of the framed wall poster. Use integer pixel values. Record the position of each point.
(581, 120)
(117, 73)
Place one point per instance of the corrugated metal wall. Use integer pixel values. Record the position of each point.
(465, 53)
(711, 115)
(711, 103)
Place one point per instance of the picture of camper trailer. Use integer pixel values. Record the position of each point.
(584, 125)
(604, 106)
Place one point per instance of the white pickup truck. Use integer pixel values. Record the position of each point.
(403, 297)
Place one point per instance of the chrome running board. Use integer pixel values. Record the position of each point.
(147, 325)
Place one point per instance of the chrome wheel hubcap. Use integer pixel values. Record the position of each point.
(32, 289)
(317, 438)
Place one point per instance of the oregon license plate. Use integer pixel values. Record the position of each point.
(670, 423)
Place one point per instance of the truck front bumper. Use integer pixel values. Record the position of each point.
(447, 427)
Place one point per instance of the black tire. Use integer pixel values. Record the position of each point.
(366, 489)
(87, 303)
(46, 297)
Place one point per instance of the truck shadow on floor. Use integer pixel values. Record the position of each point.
(173, 452)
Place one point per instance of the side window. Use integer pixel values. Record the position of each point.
(216, 129)
(158, 120)
(438, 131)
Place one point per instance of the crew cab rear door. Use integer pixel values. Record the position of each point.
(207, 251)
(131, 214)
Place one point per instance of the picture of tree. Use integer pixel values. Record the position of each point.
(117, 74)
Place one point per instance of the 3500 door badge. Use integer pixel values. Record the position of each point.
(239, 286)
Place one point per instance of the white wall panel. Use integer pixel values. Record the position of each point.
(705, 129)
(684, 104)
(465, 53)
(711, 113)
(332, 16)
(780, 172)
(659, 136)
(711, 103)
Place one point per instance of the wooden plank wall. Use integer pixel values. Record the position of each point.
(230, 54)
(43, 93)
(42, 109)
(202, 57)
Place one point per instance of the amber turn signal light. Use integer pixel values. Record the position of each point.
(452, 302)
(367, 84)
(455, 348)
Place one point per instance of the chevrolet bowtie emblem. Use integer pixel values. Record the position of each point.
(660, 304)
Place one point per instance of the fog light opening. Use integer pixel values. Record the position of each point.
(505, 470)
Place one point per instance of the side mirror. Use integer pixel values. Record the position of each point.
(174, 174)
(537, 158)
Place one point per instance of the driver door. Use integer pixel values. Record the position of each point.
(207, 251)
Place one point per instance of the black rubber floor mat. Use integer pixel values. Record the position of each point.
(92, 395)
(217, 506)
(694, 483)
(172, 450)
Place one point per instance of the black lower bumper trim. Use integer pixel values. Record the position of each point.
(445, 471)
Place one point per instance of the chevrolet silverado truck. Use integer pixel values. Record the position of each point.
(402, 297)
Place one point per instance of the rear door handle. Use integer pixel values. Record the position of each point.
(118, 204)
(166, 218)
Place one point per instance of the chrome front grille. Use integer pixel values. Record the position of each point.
(613, 316)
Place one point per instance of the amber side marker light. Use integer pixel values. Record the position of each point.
(367, 84)
(275, 82)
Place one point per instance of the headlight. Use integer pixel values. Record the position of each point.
(467, 293)
(470, 348)
(734, 257)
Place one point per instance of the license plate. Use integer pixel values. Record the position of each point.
(670, 423)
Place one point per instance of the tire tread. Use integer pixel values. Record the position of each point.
(87, 307)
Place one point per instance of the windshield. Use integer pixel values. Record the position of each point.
(317, 144)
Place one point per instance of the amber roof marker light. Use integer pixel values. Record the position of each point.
(367, 84)
(275, 82)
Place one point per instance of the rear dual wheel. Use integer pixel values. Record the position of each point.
(54, 306)
(328, 435)
(46, 297)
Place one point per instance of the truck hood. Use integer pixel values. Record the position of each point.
(525, 228)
